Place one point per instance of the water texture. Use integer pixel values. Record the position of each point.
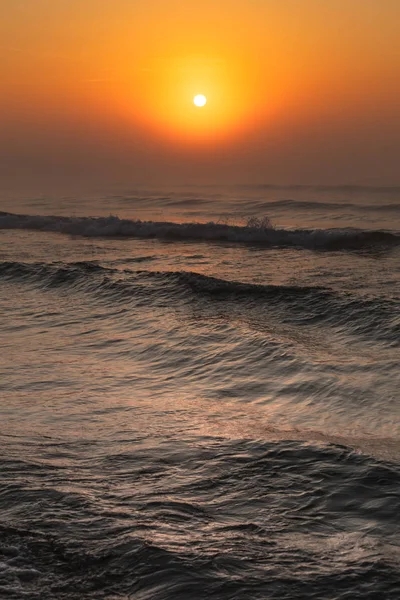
(200, 394)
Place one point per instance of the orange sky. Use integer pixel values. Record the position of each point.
(299, 91)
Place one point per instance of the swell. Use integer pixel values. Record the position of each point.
(83, 276)
(314, 205)
(349, 188)
(306, 305)
(112, 226)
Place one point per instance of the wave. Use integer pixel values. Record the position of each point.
(112, 226)
(331, 206)
(305, 305)
(349, 188)
(300, 305)
(239, 519)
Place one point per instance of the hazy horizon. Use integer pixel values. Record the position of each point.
(103, 94)
(200, 299)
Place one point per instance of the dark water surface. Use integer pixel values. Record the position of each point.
(195, 404)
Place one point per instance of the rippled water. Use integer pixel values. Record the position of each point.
(196, 404)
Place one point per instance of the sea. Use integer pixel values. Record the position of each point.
(200, 393)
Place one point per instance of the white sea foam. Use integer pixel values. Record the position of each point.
(256, 232)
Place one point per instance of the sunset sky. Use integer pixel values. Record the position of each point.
(101, 91)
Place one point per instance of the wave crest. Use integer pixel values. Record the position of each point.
(301, 305)
(255, 233)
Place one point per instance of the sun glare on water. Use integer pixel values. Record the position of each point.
(199, 100)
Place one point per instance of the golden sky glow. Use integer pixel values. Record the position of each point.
(275, 73)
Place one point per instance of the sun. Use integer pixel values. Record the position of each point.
(199, 100)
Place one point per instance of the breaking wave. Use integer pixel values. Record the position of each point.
(112, 226)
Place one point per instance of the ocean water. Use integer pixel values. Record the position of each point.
(200, 394)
